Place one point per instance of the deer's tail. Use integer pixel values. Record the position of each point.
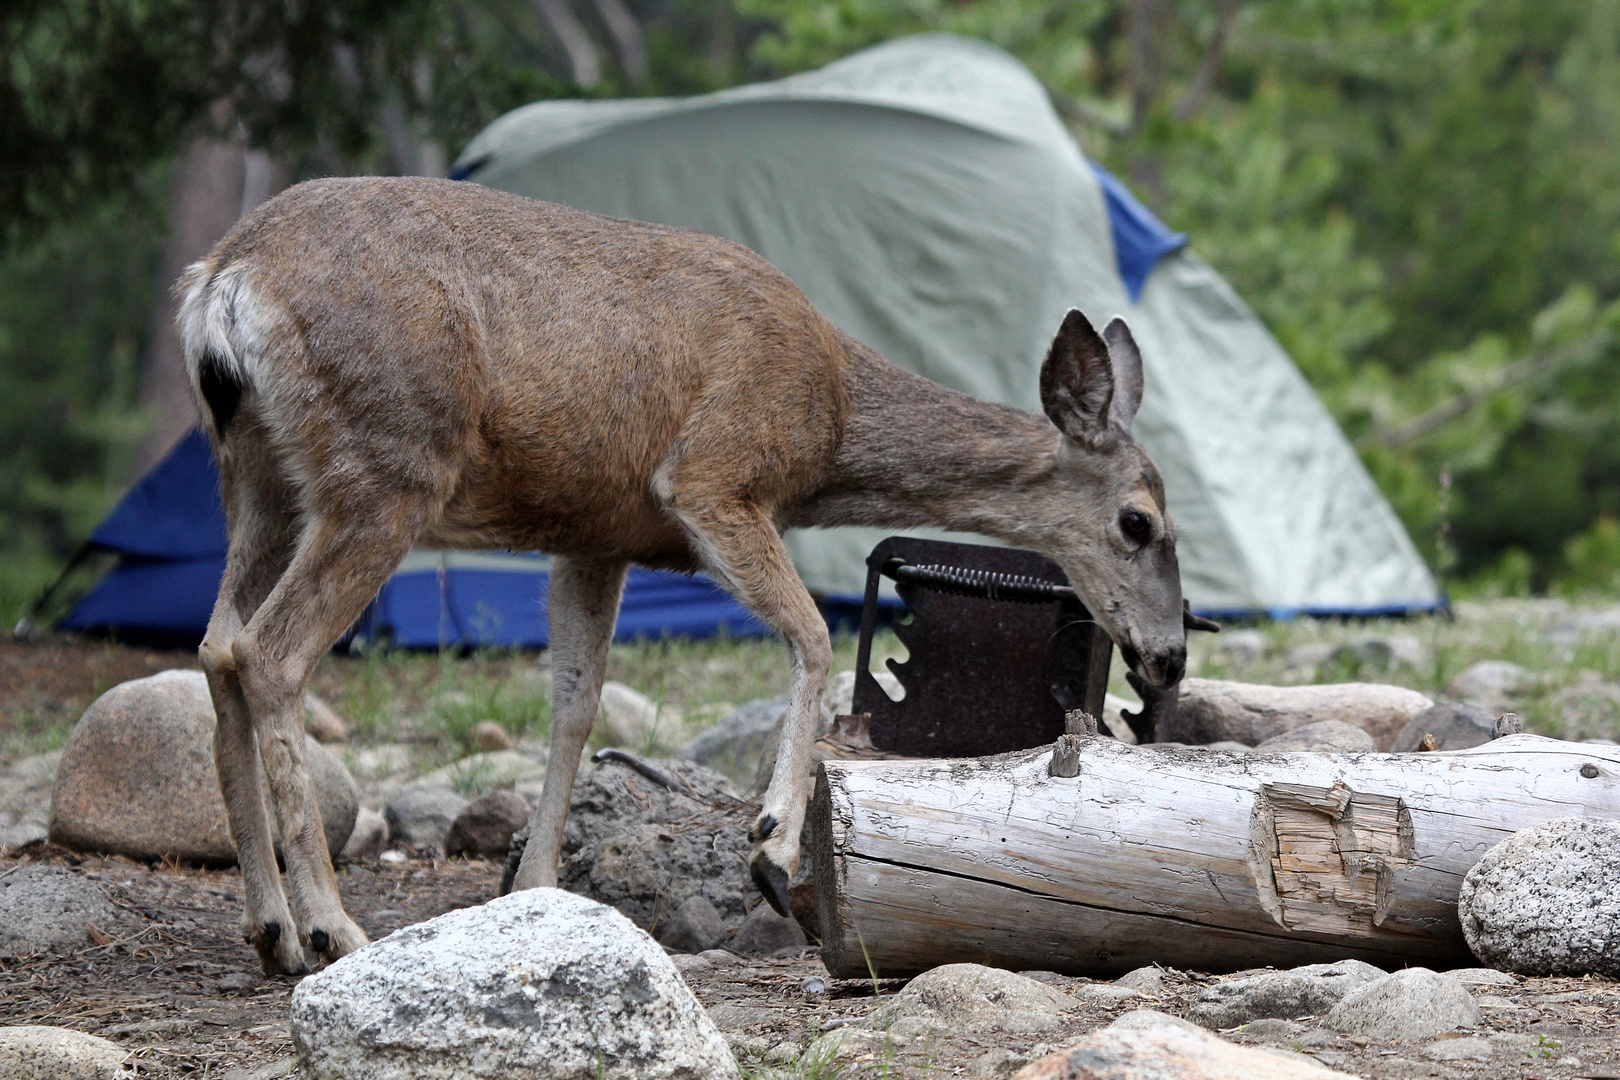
(223, 346)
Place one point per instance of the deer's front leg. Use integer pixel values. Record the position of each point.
(740, 545)
(584, 609)
(776, 832)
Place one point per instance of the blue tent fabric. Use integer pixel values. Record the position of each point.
(169, 534)
(174, 512)
(1140, 238)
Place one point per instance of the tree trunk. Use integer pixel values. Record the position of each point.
(214, 184)
(1186, 858)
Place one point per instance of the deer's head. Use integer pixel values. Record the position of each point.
(1107, 524)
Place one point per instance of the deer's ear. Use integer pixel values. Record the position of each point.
(1077, 380)
(1127, 365)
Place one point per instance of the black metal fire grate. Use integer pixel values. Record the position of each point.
(1000, 648)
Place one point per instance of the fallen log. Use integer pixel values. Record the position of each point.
(1187, 858)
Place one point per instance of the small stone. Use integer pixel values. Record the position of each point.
(1322, 737)
(420, 817)
(1482, 977)
(720, 957)
(1455, 725)
(368, 837)
(323, 722)
(1467, 1049)
(783, 1053)
(53, 1053)
(1103, 994)
(541, 984)
(393, 855)
(1546, 900)
(1170, 1053)
(15, 838)
(1303, 991)
(689, 966)
(1411, 1005)
(487, 736)
(236, 983)
(763, 932)
(484, 827)
(49, 909)
(632, 720)
(694, 927)
(996, 1064)
(735, 745)
(1146, 1019)
(1144, 980)
(1491, 683)
(968, 997)
(1242, 646)
(1271, 1027)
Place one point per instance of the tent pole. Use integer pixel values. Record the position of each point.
(24, 630)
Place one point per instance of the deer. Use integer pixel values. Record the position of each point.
(386, 362)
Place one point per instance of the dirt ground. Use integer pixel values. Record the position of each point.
(183, 992)
(177, 986)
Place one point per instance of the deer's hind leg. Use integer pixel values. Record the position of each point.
(737, 541)
(263, 530)
(340, 562)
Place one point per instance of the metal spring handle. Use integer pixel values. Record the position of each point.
(985, 584)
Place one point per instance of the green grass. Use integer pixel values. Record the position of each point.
(433, 701)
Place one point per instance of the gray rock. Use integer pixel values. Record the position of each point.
(645, 850)
(1468, 1049)
(480, 773)
(1411, 1005)
(632, 720)
(1588, 708)
(694, 927)
(1241, 646)
(1212, 710)
(1102, 993)
(541, 984)
(484, 827)
(1147, 1019)
(1303, 991)
(1455, 725)
(764, 932)
(369, 837)
(420, 817)
(1322, 737)
(14, 838)
(28, 1052)
(137, 777)
(1270, 1027)
(1144, 980)
(997, 1063)
(50, 909)
(322, 721)
(968, 997)
(735, 745)
(1170, 1053)
(1546, 901)
(1491, 683)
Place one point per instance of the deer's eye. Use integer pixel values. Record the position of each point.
(1136, 525)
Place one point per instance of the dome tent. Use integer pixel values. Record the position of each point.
(926, 197)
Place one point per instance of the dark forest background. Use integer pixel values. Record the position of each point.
(1420, 197)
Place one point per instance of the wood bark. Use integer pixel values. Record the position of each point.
(1186, 858)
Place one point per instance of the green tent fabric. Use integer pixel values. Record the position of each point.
(927, 198)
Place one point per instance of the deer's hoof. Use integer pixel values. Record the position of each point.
(343, 938)
(771, 881)
(279, 953)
